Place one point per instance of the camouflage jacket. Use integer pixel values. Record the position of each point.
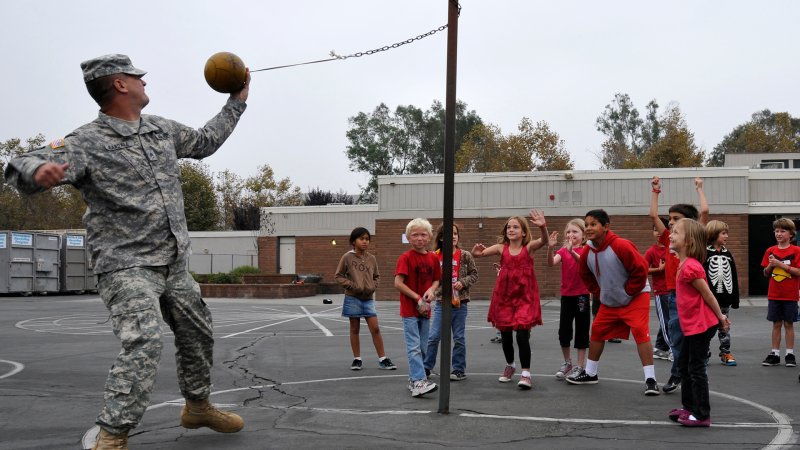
(128, 175)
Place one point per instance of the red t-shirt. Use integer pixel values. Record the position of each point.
(783, 286)
(671, 263)
(694, 314)
(571, 283)
(419, 271)
(654, 255)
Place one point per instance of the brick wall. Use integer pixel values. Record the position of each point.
(268, 255)
(315, 254)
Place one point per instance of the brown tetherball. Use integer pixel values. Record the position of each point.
(225, 72)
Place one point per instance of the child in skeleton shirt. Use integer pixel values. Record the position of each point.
(723, 281)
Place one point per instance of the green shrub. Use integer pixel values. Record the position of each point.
(223, 278)
(244, 270)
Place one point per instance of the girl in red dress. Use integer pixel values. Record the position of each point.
(515, 300)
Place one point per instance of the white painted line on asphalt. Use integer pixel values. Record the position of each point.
(616, 422)
(316, 322)
(784, 438)
(17, 368)
(259, 328)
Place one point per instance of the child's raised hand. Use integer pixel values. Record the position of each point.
(655, 182)
(477, 249)
(552, 240)
(698, 183)
(537, 217)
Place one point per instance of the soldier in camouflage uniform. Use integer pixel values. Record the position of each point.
(125, 165)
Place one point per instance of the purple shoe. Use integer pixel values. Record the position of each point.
(677, 413)
(687, 421)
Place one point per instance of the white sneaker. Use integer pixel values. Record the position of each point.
(661, 354)
(575, 371)
(422, 387)
(565, 370)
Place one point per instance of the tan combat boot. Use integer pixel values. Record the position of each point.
(201, 413)
(108, 441)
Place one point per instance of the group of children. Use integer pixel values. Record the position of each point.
(694, 283)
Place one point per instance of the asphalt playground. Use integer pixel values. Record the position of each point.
(284, 366)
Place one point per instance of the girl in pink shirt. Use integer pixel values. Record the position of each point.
(575, 305)
(699, 316)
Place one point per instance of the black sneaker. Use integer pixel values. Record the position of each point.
(651, 387)
(582, 378)
(428, 373)
(386, 364)
(458, 376)
(672, 384)
(771, 360)
(790, 361)
(356, 365)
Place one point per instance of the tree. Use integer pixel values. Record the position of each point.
(405, 141)
(317, 196)
(262, 190)
(241, 200)
(199, 199)
(536, 147)
(621, 124)
(766, 132)
(628, 136)
(229, 187)
(675, 147)
(655, 141)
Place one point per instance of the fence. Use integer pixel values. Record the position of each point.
(220, 262)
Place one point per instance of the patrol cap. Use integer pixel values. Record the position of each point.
(109, 65)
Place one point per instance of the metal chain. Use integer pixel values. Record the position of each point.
(388, 47)
(336, 57)
(396, 44)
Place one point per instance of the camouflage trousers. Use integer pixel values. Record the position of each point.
(139, 298)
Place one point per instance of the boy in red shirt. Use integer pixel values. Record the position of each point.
(416, 277)
(781, 264)
(614, 271)
(656, 257)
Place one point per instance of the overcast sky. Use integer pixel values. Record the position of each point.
(557, 61)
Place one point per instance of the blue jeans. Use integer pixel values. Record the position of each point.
(458, 324)
(675, 333)
(415, 331)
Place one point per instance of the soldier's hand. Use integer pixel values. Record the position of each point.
(50, 174)
(244, 92)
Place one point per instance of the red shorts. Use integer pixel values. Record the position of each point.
(622, 321)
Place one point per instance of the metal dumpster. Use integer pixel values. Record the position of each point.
(76, 268)
(28, 262)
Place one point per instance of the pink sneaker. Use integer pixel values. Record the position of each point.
(677, 413)
(525, 383)
(508, 372)
(689, 421)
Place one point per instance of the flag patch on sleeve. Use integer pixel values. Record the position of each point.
(60, 142)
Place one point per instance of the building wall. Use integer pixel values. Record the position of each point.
(268, 254)
(316, 254)
(222, 251)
